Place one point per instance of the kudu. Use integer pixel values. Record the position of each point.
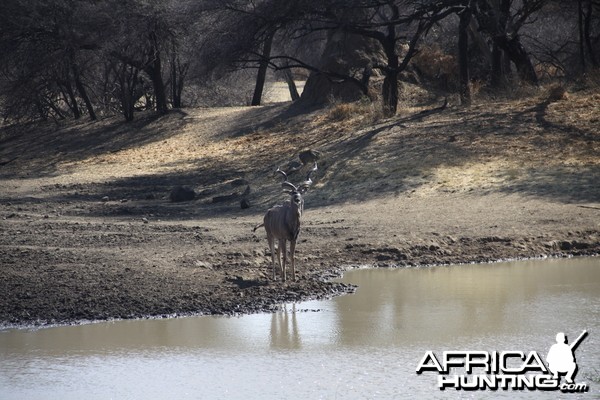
(282, 223)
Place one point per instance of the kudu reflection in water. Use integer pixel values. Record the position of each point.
(284, 329)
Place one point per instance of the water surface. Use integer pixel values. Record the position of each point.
(365, 345)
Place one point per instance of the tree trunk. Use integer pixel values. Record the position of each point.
(497, 75)
(72, 103)
(127, 95)
(463, 56)
(581, 35)
(587, 34)
(390, 93)
(154, 70)
(178, 73)
(160, 94)
(479, 40)
(80, 87)
(262, 68)
(392, 70)
(499, 68)
(175, 98)
(84, 95)
(519, 56)
(126, 77)
(289, 79)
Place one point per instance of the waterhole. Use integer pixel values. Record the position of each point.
(364, 345)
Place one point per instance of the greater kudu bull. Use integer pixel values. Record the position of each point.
(282, 222)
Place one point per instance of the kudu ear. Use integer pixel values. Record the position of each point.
(303, 188)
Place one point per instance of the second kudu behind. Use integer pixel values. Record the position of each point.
(282, 223)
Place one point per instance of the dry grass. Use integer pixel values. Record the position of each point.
(437, 65)
(358, 113)
(557, 93)
(524, 144)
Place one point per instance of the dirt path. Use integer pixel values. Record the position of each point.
(87, 230)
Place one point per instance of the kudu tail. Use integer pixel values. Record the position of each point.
(258, 226)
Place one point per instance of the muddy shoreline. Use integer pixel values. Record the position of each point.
(61, 269)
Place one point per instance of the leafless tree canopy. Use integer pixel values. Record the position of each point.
(89, 58)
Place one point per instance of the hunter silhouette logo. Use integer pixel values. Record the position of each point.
(561, 359)
(514, 370)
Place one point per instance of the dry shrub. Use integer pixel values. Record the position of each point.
(355, 113)
(557, 93)
(516, 90)
(436, 65)
(477, 86)
(343, 111)
(592, 79)
(548, 71)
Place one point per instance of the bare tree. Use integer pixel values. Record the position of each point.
(386, 24)
(44, 42)
(144, 47)
(585, 9)
(502, 20)
(463, 53)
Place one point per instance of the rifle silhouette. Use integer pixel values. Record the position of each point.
(578, 340)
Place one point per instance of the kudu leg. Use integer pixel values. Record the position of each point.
(292, 251)
(282, 246)
(272, 247)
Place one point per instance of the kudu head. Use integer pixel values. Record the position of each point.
(296, 192)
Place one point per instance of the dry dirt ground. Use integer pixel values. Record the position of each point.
(87, 230)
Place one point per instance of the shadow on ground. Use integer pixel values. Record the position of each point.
(391, 157)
